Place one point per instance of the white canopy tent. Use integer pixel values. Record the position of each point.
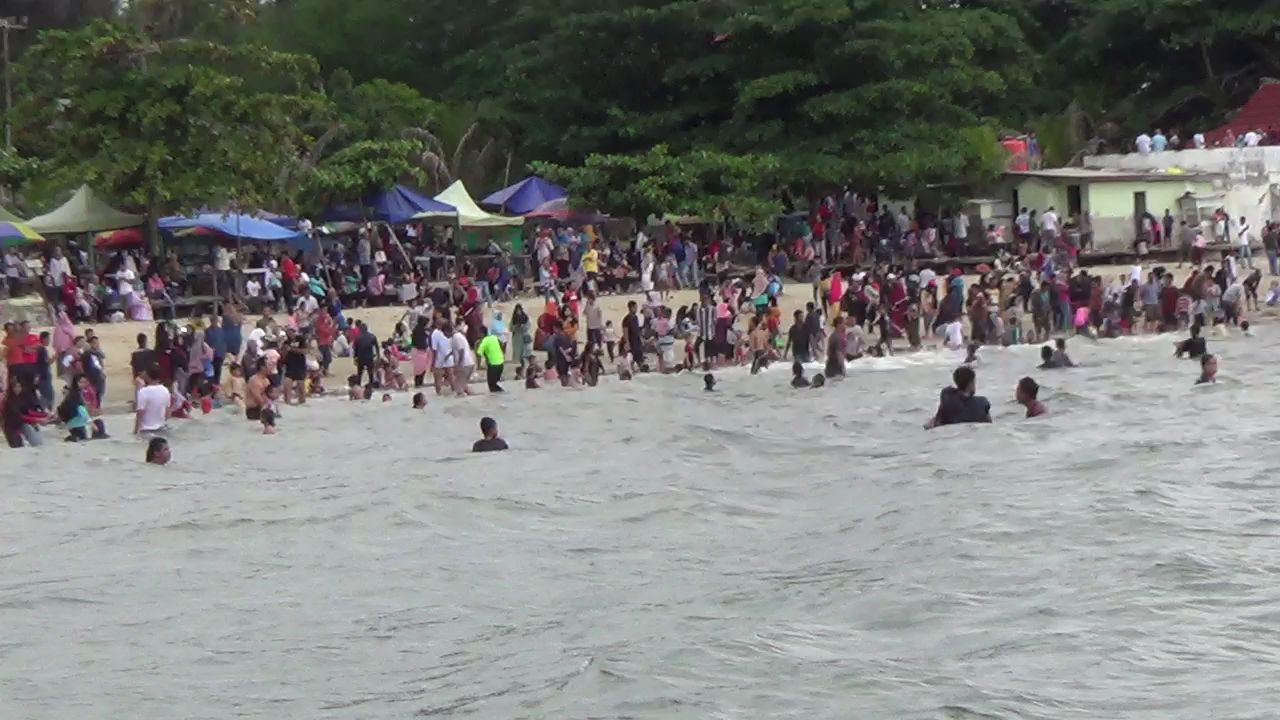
(469, 214)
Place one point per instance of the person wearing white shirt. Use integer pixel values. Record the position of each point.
(961, 229)
(124, 283)
(1022, 226)
(152, 405)
(464, 362)
(1244, 240)
(1252, 138)
(59, 267)
(1199, 141)
(1143, 143)
(1049, 220)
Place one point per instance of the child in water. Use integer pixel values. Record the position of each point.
(268, 421)
(235, 387)
(531, 375)
(353, 388)
(610, 338)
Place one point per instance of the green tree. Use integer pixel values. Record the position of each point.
(701, 182)
(362, 167)
(161, 126)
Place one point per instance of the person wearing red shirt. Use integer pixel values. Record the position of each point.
(326, 331)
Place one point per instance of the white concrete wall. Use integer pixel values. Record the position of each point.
(1239, 164)
(1248, 174)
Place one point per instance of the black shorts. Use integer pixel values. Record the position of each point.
(296, 375)
(253, 413)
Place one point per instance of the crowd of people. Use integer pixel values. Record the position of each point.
(1158, 142)
(453, 329)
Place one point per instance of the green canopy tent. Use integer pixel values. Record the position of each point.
(6, 216)
(85, 212)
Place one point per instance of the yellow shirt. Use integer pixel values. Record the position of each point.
(591, 261)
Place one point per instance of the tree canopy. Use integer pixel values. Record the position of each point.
(683, 106)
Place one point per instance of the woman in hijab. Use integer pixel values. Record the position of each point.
(836, 295)
(64, 333)
(472, 316)
(546, 324)
(898, 301)
(521, 340)
(760, 284)
(421, 354)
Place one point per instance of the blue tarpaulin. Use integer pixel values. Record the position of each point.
(525, 196)
(397, 205)
(236, 225)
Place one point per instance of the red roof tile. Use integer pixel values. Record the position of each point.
(1261, 112)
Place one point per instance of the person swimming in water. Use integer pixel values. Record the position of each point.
(819, 380)
(960, 404)
(709, 382)
(158, 451)
(798, 380)
(1193, 347)
(1060, 354)
(419, 401)
(1046, 359)
(1208, 370)
(489, 440)
(1026, 394)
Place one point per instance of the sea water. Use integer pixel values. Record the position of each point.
(648, 550)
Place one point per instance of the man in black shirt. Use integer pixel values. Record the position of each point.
(959, 404)
(365, 351)
(1193, 347)
(798, 338)
(631, 326)
(490, 442)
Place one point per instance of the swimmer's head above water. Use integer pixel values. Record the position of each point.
(158, 451)
(709, 382)
(818, 380)
(1208, 369)
(419, 401)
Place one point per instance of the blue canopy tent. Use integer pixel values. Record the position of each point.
(525, 196)
(395, 206)
(238, 225)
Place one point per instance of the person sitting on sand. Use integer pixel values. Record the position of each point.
(1026, 395)
(798, 380)
(960, 404)
(490, 442)
(158, 451)
(1208, 369)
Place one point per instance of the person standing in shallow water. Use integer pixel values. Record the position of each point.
(960, 404)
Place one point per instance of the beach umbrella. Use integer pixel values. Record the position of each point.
(16, 233)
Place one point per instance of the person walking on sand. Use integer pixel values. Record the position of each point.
(494, 357)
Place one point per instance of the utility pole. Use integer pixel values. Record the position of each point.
(7, 24)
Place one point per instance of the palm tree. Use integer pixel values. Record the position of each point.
(461, 145)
